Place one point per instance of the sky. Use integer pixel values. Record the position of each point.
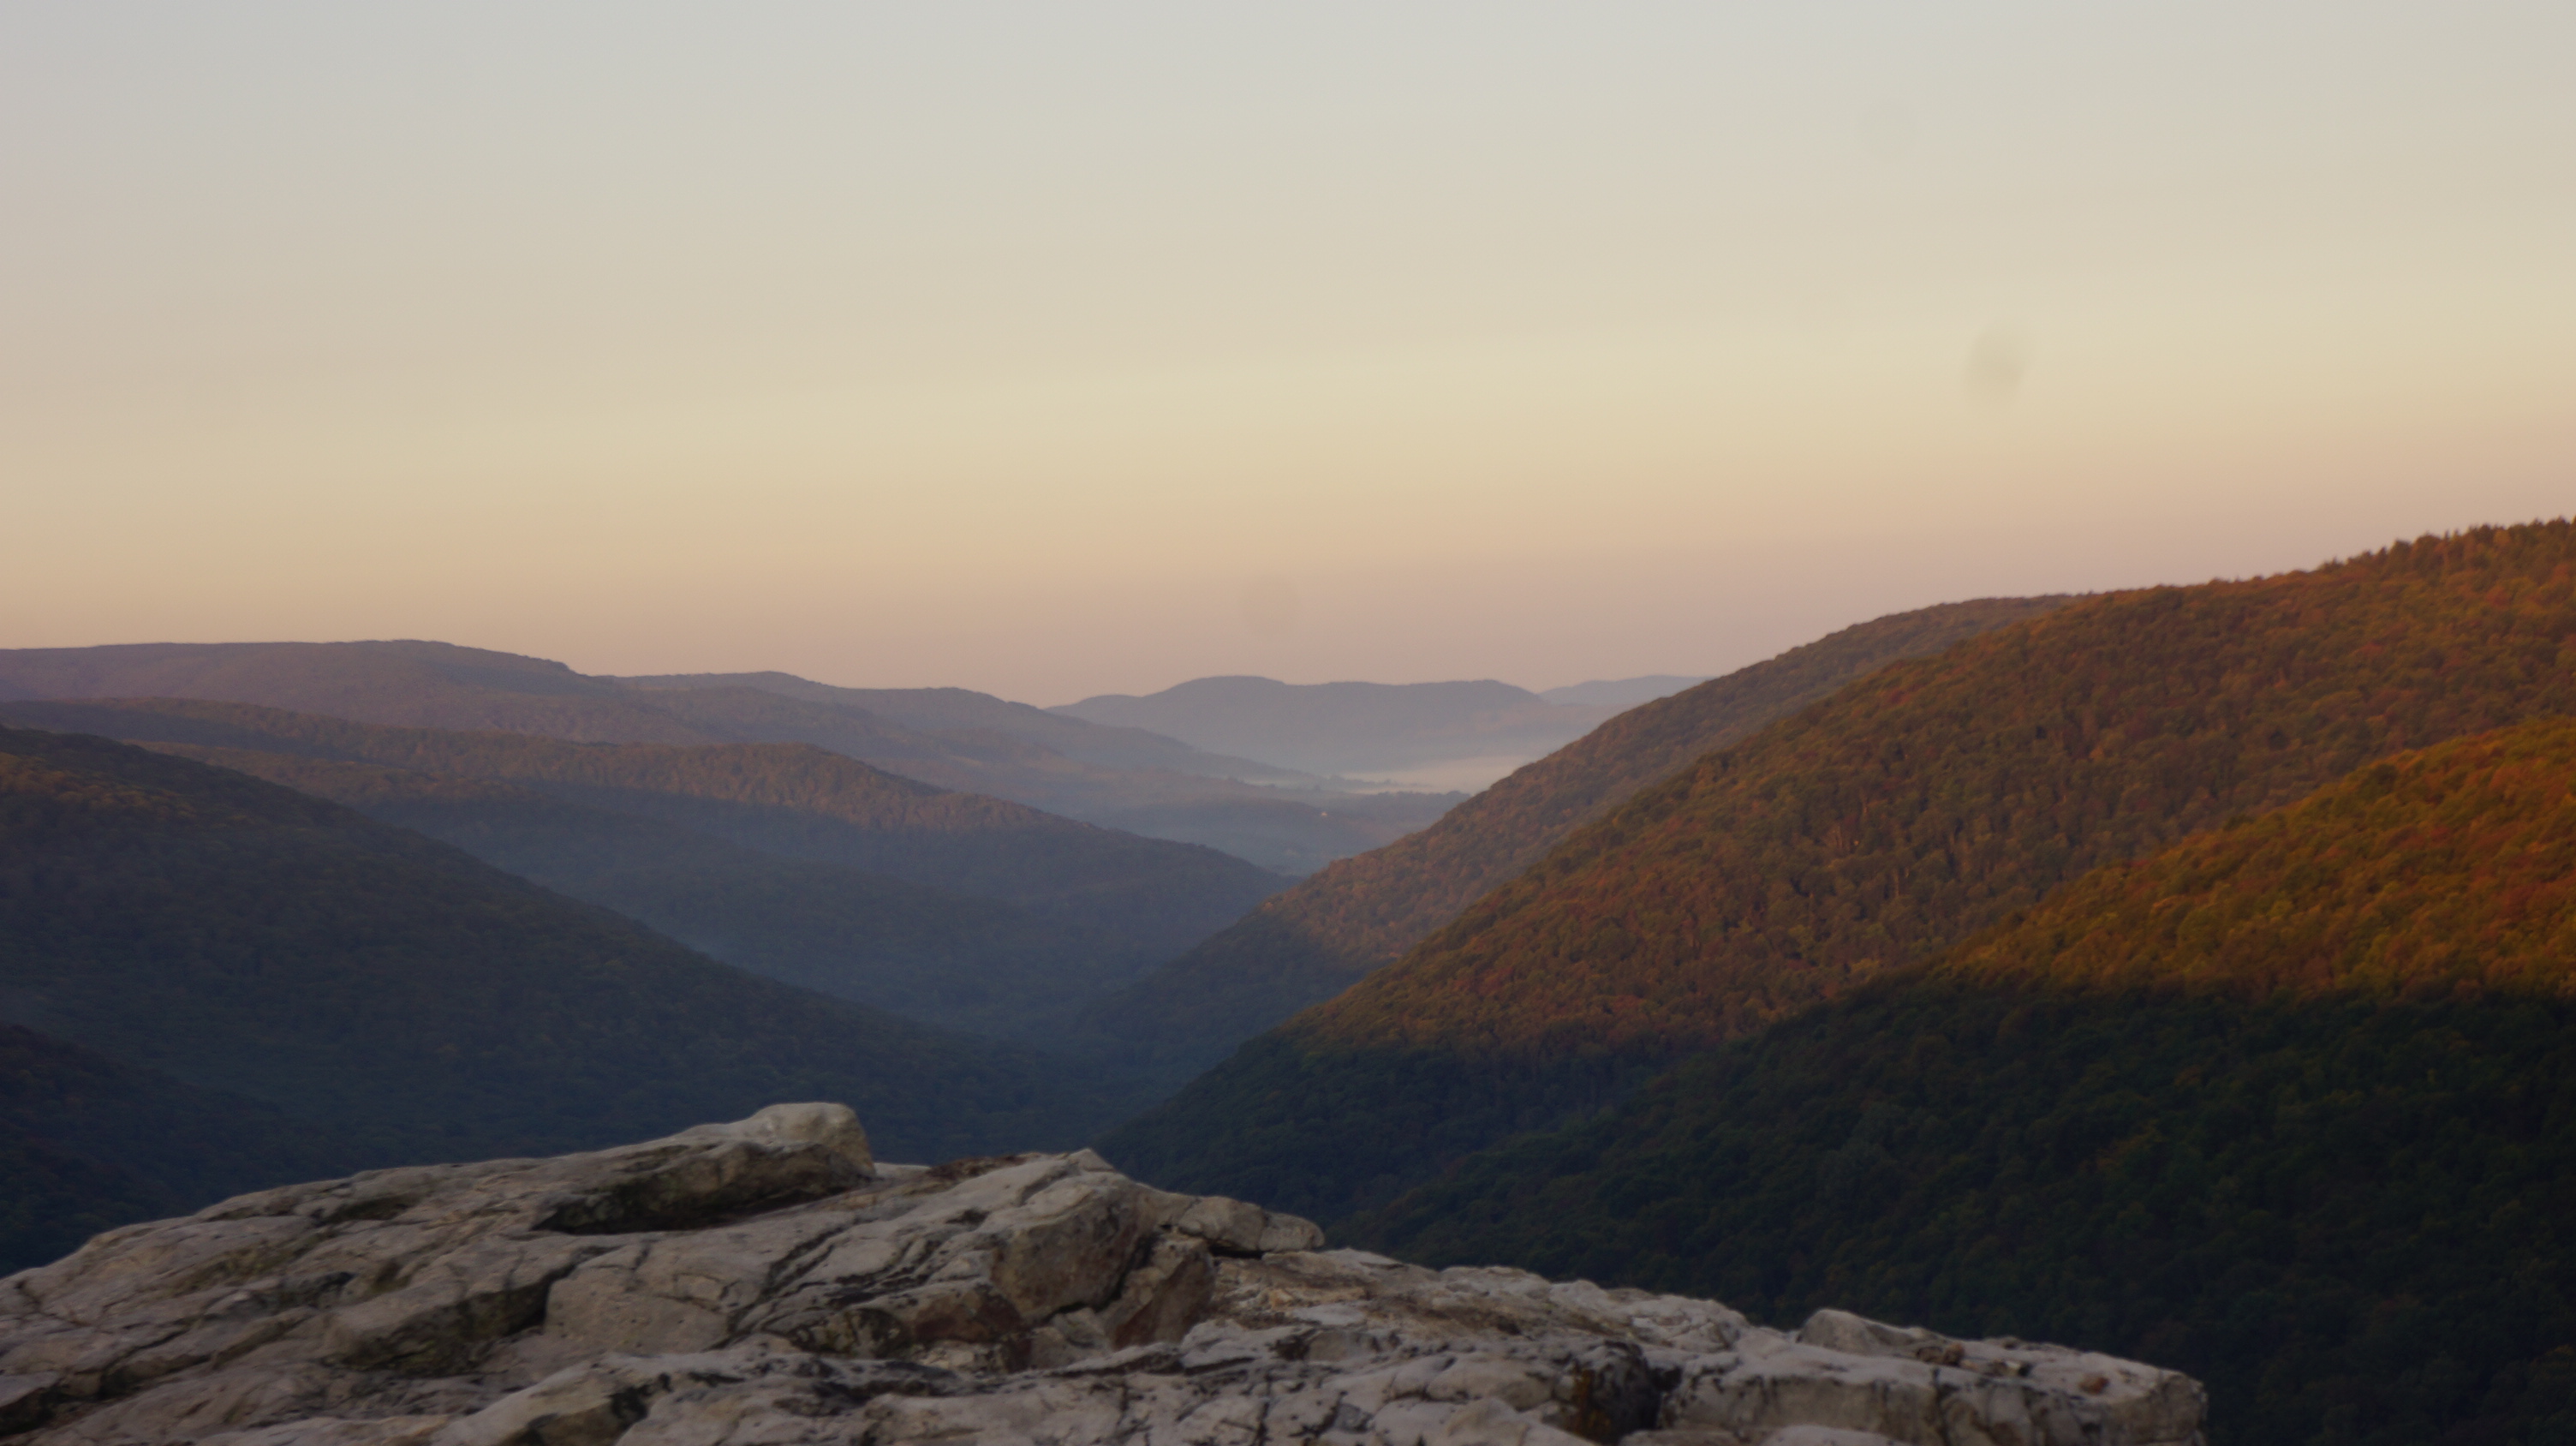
(1056, 350)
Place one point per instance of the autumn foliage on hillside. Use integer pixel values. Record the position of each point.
(2449, 872)
(1937, 795)
(1381, 902)
(1354, 915)
(1910, 810)
(2291, 1106)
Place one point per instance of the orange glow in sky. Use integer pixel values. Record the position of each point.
(1057, 350)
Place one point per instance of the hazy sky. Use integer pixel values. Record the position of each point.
(1061, 349)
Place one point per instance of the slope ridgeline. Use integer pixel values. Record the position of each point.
(956, 713)
(2291, 1104)
(1311, 942)
(423, 684)
(794, 800)
(404, 1002)
(927, 954)
(1913, 808)
(955, 739)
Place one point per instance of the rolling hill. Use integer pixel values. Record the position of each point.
(1908, 811)
(419, 684)
(944, 959)
(967, 715)
(1143, 898)
(2290, 1105)
(1314, 940)
(1116, 777)
(959, 740)
(404, 1002)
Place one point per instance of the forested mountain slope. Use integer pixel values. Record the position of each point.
(2290, 1105)
(1151, 897)
(87, 1144)
(1911, 809)
(425, 684)
(406, 1002)
(957, 739)
(1311, 942)
(1184, 796)
(953, 712)
(928, 954)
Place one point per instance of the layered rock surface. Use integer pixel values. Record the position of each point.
(768, 1282)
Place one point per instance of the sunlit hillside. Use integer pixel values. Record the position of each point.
(1915, 807)
(1314, 940)
(2291, 1105)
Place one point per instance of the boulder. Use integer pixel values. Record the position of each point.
(770, 1282)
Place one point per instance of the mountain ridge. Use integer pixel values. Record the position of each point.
(242, 937)
(1911, 809)
(950, 960)
(1622, 692)
(794, 800)
(1317, 937)
(2322, 1058)
(936, 710)
(956, 739)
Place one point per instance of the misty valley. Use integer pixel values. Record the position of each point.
(2181, 973)
(1149, 724)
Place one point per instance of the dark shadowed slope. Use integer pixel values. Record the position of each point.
(1913, 808)
(1150, 897)
(87, 1143)
(2291, 1105)
(52, 1199)
(410, 1003)
(1311, 942)
(924, 953)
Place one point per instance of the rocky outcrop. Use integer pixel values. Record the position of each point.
(768, 1282)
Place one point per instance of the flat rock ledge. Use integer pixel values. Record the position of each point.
(768, 1282)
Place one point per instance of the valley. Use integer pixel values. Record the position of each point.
(788, 859)
(1315, 939)
(1902, 814)
(953, 738)
(2322, 1059)
(2080, 967)
(390, 999)
(1154, 725)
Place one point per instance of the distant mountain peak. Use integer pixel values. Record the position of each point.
(953, 738)
(1621, 692)
(1350, 729)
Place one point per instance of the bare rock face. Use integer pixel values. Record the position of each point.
(767, 1282)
